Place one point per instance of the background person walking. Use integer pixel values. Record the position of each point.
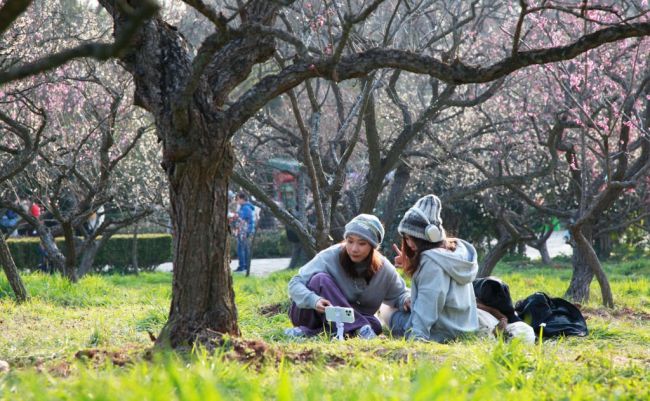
(245, 230)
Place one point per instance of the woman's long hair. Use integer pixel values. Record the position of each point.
(373, 261)
(411, 261)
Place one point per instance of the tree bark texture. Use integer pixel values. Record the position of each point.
(202, 294)
(52, 252)
(546, 256)
(585, 266)
(494, 256)
(581, 278)
(396, 193)
(11, 271)
(70, 265)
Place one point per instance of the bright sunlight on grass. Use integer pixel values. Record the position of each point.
(90, 341)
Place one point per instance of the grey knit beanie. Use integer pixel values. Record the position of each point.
(367, 227)
(423, 220)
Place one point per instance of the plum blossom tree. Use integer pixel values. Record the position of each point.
(40, 38)
(77, 177)
(15, 19)
(22, 127)
(585, 120)
(20, 143)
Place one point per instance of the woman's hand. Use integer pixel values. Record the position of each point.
(398, 258)
(321, 304)
(407, 304)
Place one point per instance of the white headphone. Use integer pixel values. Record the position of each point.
(433, 232)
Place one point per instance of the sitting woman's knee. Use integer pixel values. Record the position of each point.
(318, 279)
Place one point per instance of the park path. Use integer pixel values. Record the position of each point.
(556, 246)
(264, 267)
(259, 267)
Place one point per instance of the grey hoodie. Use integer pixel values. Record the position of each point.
(443, 302)
(385, 286)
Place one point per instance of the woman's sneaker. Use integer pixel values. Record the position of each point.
(366, 332)
(295, 332)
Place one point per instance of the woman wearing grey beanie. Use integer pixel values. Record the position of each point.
(442, 304)
(350, 274)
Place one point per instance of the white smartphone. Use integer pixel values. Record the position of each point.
(339, 314)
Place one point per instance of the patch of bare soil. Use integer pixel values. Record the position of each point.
(310, 356)
(249, 351)
(99, 356)
(272, 310)
(254, 352)
(619, 313)
(59, 369)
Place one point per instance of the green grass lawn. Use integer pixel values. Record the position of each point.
(109, 318)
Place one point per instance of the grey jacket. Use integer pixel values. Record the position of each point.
(443, 301)
(385, 286)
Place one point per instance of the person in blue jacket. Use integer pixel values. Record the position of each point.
(245, 229)
(9, 221)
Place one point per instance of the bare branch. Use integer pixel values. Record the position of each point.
(219, 20)
(99, 51)
(360, 64)
(10, 12)
(520, 22)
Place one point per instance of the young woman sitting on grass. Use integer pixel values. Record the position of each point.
(350, 274)
(443, 305)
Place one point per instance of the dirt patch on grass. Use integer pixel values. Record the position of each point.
(311, 356)
(624, 313)
(253, 352)
(305, 356)
(272, 309)
(58, 369)
(100, 357)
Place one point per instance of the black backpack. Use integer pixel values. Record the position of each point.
(561, 317)
(493, 292)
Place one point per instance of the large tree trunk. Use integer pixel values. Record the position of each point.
(11, 271)
(374, 185)
(203, 301)
(578, 290)
(585, 266)
(541, 244)
(52, 251)
(543, 251)
(504, 244)
(495, 255)
(87, 258)
(70, 266)
(396, 194)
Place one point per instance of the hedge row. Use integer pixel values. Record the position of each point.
(266, 244)
(153, 249)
